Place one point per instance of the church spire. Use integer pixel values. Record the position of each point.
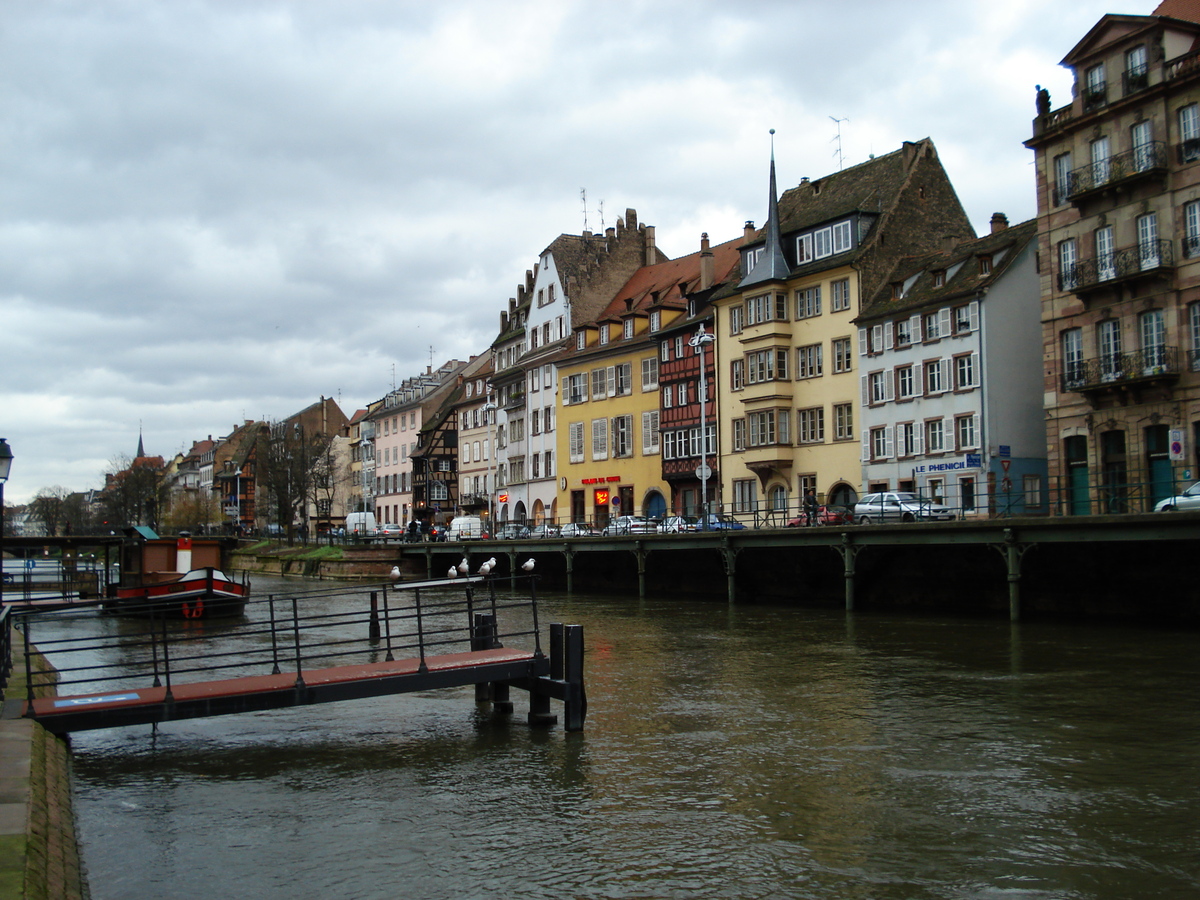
(771, 265)
(141, 451)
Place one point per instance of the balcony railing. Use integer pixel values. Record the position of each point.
(1121, 368)
(1142, 161)
(1146, 258)
(1136, 80)
(1095, 95)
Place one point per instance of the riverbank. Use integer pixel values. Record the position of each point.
(320, 561)
(39, 854)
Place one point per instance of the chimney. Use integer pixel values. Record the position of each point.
(706, 263)
(748, 232)
(999, 222)
(651, 254)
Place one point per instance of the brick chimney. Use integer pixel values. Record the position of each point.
(706, 263)
(999, 222)
(748, 232)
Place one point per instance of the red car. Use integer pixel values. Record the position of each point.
(827, 515)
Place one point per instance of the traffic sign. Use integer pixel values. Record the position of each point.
(704, 471)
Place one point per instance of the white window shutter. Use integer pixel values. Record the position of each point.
(944, 322)
(866, 389)
(889, 385)
(866, 445)
(889, 442)
(876, 338)
(914, 329)
(945, 367)
(973, 315)
(888, 336)
(611, 374)
(862, 342)
(918, 439)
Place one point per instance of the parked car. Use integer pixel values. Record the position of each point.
(545, 530)
(719, 522)
(389, 529)
(631, 525)
(511, 531)
(827, 515)
(677, 525)
(578, 529)
(1188, 500)
(466, 528)
(899, 506)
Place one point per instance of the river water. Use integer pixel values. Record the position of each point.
(738, 752)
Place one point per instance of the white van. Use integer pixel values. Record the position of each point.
(361, 522)
(465, 528)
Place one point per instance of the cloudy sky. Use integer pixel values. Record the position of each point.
(213, 210)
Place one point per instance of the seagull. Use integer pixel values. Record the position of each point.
(453, 573)
(395, 573)
(527, 566)
(464, 567)
(486, 568)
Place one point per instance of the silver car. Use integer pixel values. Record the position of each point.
(899, 506)
(631, 525)
(1188, 500)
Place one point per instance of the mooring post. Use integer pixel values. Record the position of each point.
(575, 705)
(157, 682)
(570, 555)
(295, 641)
(481, 639)
(512, 570)
(1012, 561)
(849, 553)
(729, 557)
(640, 554)
(169, 698)
(373, 625)
(420, 632)
(274, 636)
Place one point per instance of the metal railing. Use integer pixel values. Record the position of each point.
(1143, 258)
(1120, 368)
(1141, 160)
(300, 632)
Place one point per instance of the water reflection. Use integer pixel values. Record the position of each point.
(729, 752)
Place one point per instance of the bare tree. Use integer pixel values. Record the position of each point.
(49, 508)
(135, 494)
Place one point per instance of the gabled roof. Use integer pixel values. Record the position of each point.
(1188, 10)
(961, 267)
(669, 283)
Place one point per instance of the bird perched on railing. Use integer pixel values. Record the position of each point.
(527, 566)
(486, 568)
(464, 567)
(453, 573)
(395, 573)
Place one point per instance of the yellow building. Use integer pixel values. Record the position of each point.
(787, 339)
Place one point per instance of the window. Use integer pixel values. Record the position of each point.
(1148, 247)
(965, 372)
(1101, 164)
(808, 302)
(627, 329)
(573, 389)
(933, 326)
(766, 365)
(1189, 133)
(905, 388)
(1106, 268)
(548, 469)
(535, 423)
(966, 318)
(655, 320)
(650, 436)
(624, 376)
(1031, 485)
(1072, 351)
(808, 361)
(908, 436)
(965, 432)
(739, 434)
(1191, 229)
(668, 397)
(604, 334)
(879, 388)
(841, 355)
(1108, 335)
(681, 391)
(934, 436)
(1062, 178)
(1194, 332)
(1141, 138)
(650, 373)
(934, 377)
(804, 248)
(839, 295)
(764, 428)
(599, 384)
(736, 319)
(622, 436)
(843, 422)
(766, 308)
(903, 331)
(665, 351)
(985, 265)
(1154, 349)
(1136, 73)
(1067, 257)
(811, 424)
(737, 374)
(535, 466)
(580, 340)
(1095, 91)
(599, 439)
(745, 496)
(881, 443)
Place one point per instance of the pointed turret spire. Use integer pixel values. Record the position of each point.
(141, 451)
(771, 265)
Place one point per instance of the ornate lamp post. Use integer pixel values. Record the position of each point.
(6, 458)
(698, 342)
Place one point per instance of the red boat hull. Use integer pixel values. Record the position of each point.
(200, 594)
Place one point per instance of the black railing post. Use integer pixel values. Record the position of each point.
(420, 633)
(166, 663)
(28, 666)
(275, 670)
(373, 625)
(387, 626)
(157, 682)
(537, 635)
(296, 642)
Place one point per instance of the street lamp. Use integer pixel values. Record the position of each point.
(698, 341)
(489, 411)
(6, 458)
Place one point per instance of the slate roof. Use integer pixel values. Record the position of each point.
(964, 281)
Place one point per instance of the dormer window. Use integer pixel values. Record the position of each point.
(985, 265)
(897, 290)
(655, 320)
(580, 340)
(627, 329)
(603, 335)
(939, 278)
(470, 388)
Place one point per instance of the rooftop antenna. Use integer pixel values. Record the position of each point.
(838, 137)
(431, 357)
(393, 376)
(583, 202)
(600, 206)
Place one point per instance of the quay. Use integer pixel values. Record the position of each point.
(1120, 566)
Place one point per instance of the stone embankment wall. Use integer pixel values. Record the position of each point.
(355, 563)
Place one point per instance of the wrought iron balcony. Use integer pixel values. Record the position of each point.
(1119, 369)
(1136, 80)
(1144, 161)
(1143, 260)
(515, 401)
(1095, 95)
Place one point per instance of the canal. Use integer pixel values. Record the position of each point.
(731, 752)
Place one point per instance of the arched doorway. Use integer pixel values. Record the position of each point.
(539, 512)
(841, 494)
(519, 511)
(654, 504)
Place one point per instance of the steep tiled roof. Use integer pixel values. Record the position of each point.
(667, 283)
(1179, 9)
(961, 267)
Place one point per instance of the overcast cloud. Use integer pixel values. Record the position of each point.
(212, 211)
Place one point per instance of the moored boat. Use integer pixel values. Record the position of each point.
(182, 577)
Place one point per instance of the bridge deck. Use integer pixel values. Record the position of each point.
(81, 712)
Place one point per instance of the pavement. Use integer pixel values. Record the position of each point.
(39, 856)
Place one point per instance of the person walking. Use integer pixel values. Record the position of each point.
(811, 507)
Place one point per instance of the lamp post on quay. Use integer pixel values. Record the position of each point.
(6, 458)
(698, 342)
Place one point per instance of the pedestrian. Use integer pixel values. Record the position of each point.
(811, 508)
